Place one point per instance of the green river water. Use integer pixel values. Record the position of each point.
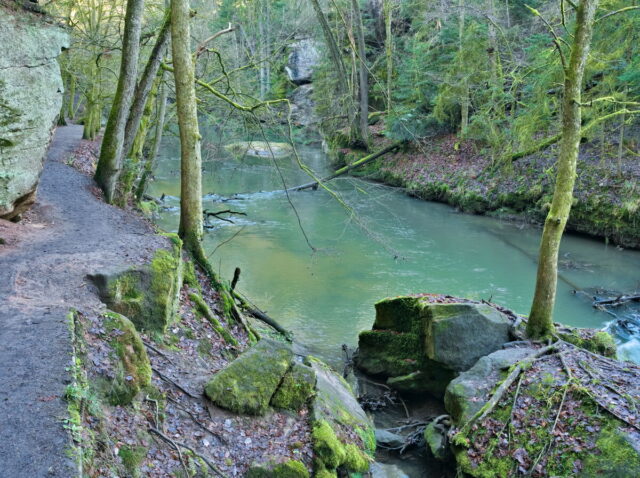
(399, 245)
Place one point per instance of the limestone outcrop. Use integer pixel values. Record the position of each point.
(30, 100)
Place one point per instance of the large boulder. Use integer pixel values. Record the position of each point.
(148, 294)
(303, 59)
(420, 344)
(248, 383)
(30, 100)
(468, 393)
(343, 435)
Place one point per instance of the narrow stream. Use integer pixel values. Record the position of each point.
(398, 245)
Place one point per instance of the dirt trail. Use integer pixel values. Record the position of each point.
(73, 234)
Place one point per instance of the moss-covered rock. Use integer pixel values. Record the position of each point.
(468, 393)
(336, 415)
(596, 341)
(288, 469)
(436, 442)
(133, 369)
(420, 345)
(247, 384)
(296, 388)
(148, 294)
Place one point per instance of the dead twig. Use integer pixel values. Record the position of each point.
(178, 386)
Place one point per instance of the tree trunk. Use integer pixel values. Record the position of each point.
(388, 48)
(334, 52)
(464, 100)
(109, 163)
(144, 86)
(363, 80)
(540, 321)
(190, 229)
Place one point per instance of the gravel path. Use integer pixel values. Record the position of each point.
(72, 234)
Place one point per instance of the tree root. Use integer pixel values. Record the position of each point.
(178, 386)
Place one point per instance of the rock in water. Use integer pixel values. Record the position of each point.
(382, 470)
(420, 345)
(30, 100)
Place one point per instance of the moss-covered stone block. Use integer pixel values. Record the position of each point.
(148, 294)
(296, 388)
(436, 442)
(398, 313)
(248, 383)
(457, 335)
(596, 341)
(288, 469)
(388, 353)
(132, 369)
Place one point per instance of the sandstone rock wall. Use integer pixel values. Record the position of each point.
(30, 100)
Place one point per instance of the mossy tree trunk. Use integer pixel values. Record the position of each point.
(540, 321)
(109, 164)
(388, 48)
(363, 79)
(190, 229)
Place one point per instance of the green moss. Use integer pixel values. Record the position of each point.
(616, 457)
(323, 473)
(296, 388)
(329, 451)
(203, 308)
(247, 384)
(599, 342)
(190, 278)
(288, 469)
(132, 457)
(389, 353)
(134, 369)
(355, 460)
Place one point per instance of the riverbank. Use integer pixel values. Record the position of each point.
(152, 365)
(462, 174)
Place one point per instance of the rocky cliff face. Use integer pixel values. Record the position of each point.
(303, 59)
(30, 100)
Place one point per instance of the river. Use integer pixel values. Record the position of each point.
(393, 245)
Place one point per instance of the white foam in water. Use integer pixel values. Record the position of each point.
(630, 351)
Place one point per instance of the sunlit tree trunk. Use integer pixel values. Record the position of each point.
(464, 100)
(388, 48)
(363, 80)
(540, 321)
(109, 163)
(190, 160)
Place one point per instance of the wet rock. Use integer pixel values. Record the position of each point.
(468, 393)
(389, 439)
(247, 384)
(303, 59)
(382, 470)
(421, 346)
(302, 104)
(30, 100)
(436, 439)
(148, 294)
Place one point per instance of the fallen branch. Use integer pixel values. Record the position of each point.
(258, 314)
(347, 168)
(177, 385)
(616, 301)
(177, 446)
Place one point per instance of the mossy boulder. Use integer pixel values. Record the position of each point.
(147, 294)
(288, 469)
(420, 345)
(343, 435)
(593, 340)
(248, 383)
(468, 393)
(296, 388)
(31, 92)
(436, 441)
(132, 367)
